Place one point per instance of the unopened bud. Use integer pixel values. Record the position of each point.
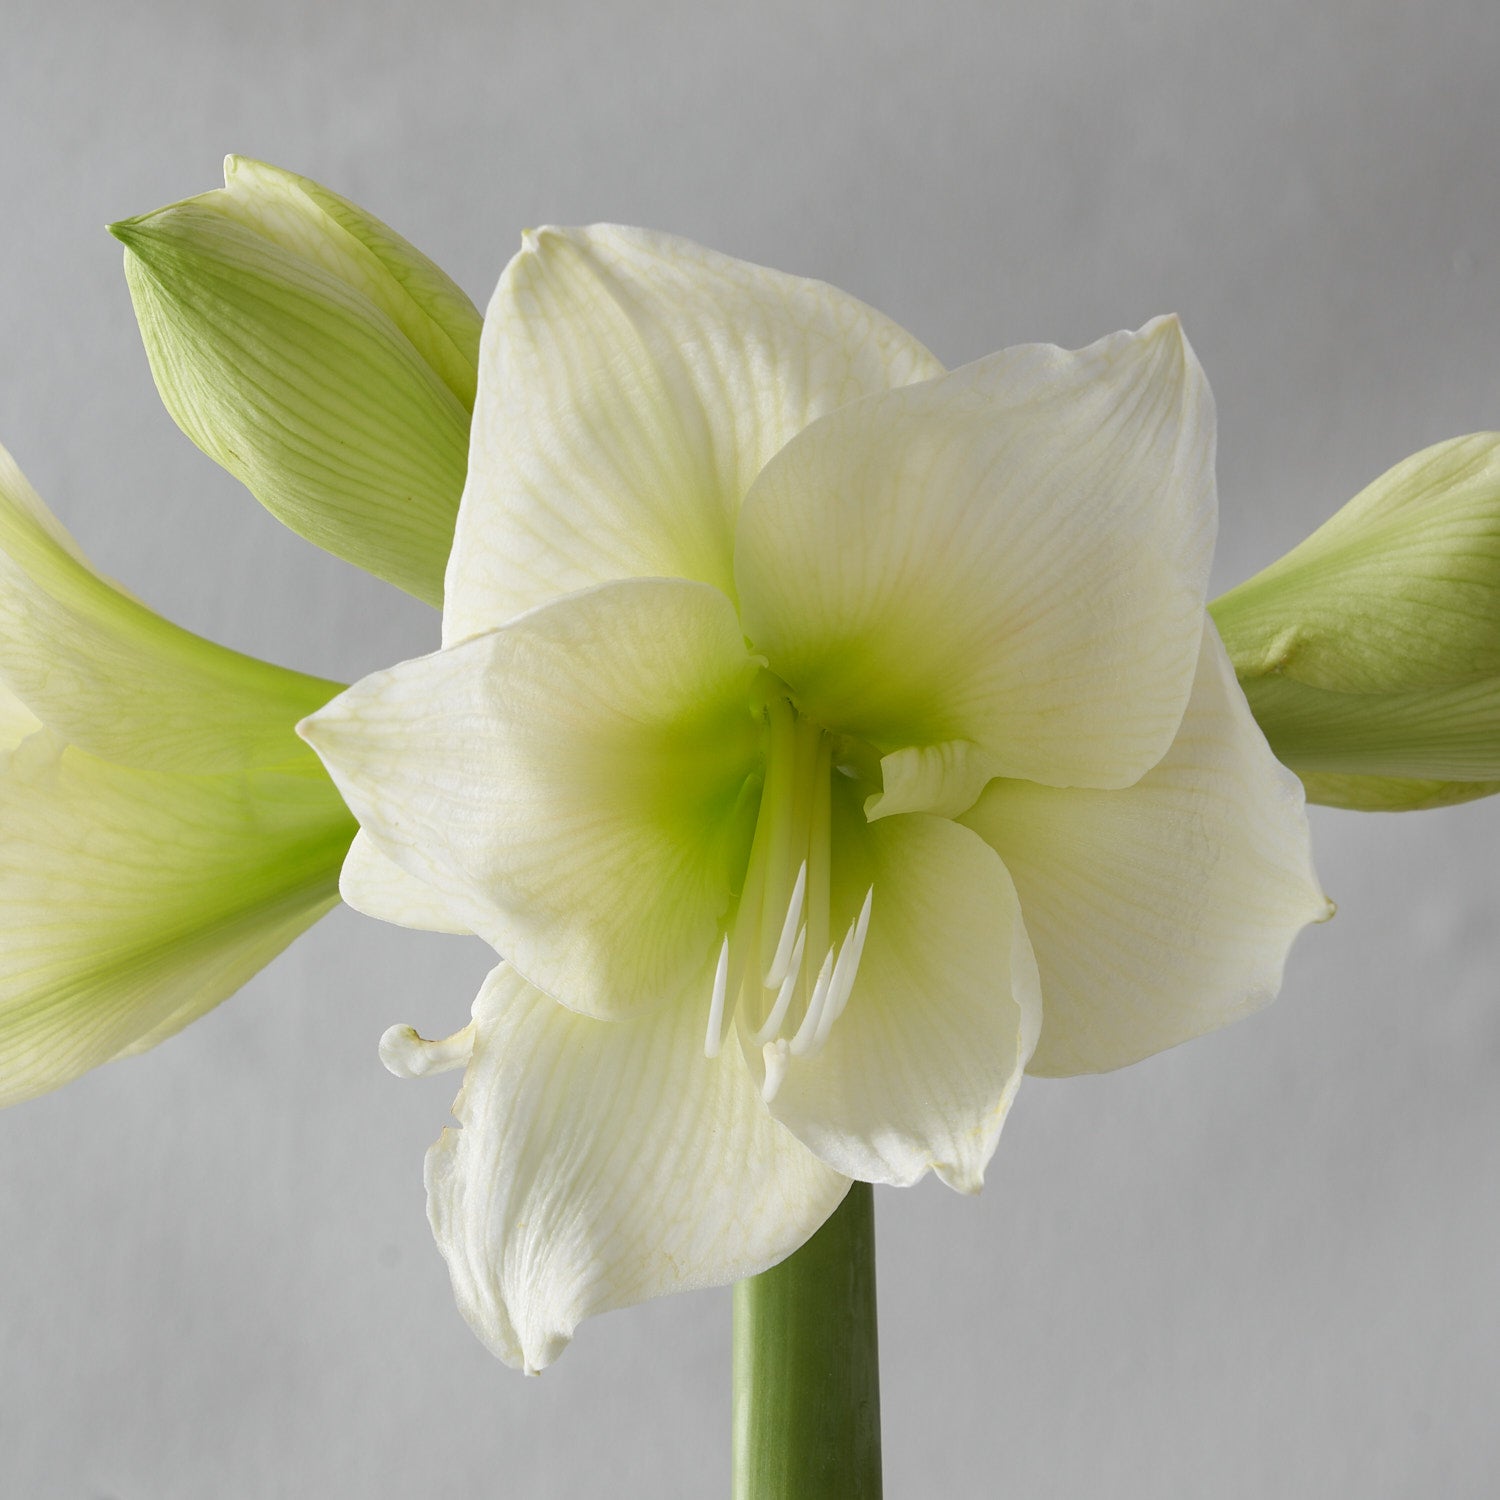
(1370, 653)
(318, 357)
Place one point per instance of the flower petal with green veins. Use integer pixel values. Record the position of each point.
(1166, 909)
(1398, 592)
(573, 786)
(377, 886)
(1391, 793)
(918, 1071)
(302, 388)
(601, 1164)
(166, 834)
(1012, 555)
(1447, 732)
(303, 217)
(117, 680)
(632, 385)
(133, 901)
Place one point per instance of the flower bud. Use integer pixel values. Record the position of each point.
(318, 357)
(166, 833)
(1370, 653)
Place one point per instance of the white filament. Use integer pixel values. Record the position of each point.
(785, 993)
(777, 972)
(844, 972)
(808, 1029)
(715, 1038)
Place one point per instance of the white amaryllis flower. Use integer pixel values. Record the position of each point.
(822, 739)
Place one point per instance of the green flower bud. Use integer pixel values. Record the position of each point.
(166, 833)
(318, 357)
(1370, 653)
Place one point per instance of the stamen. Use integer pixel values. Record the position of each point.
(777, 1054)
(715, 1038)
(782, 916)
(844, 972)
(818, 840)
(779, 812)
(408, 1055)
(808, 1029)
(744, 934)
(777, 972)
(784, 995)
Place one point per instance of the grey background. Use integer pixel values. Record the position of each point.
(1261, 1264)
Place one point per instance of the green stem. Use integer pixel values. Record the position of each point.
(807, 1368)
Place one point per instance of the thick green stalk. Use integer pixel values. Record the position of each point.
(807, 1367)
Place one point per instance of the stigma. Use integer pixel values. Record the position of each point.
(779, 967)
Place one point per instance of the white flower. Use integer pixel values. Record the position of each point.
(822, 739)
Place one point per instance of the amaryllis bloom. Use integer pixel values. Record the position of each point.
(822, 739)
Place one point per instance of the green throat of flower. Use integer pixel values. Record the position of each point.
(780, 970)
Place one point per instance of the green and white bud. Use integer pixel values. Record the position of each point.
(317, 356)
(1370, 653)
(165, 832)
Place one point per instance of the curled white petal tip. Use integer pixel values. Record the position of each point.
(306, 729)
(967, 1180)
(409, 1055)
(595, 1165)
(535, 1360)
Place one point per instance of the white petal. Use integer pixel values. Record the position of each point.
(601, 1163)
(116, 679)
(1167, 909)
(1013, 555)
(631, 385)
(943, 779)
(380, 888)
(575, 787)
(133, 901)
(919, 1070)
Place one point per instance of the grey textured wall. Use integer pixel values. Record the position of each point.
(1263, 1264)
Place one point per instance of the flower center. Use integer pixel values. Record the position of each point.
(779, 966)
